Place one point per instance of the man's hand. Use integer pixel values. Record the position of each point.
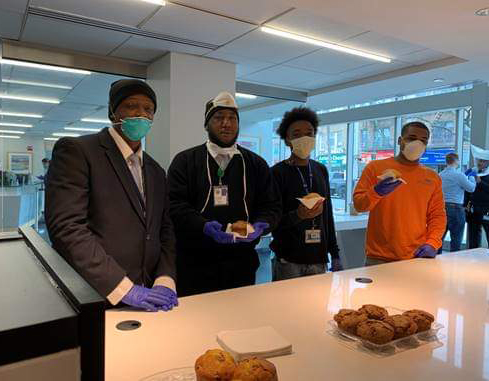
(307, 214)
(387, 186)
(336, 264)
(425, 251)
(165, 298)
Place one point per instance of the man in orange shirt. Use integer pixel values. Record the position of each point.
(407, 214)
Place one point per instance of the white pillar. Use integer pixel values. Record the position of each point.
(183, 84)
(479, 134)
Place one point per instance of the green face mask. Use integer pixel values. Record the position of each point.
(136, 128)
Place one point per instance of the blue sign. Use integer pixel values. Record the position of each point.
(435, 156)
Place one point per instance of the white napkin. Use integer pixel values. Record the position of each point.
(261, 342)
(310, 202)
(237, 235)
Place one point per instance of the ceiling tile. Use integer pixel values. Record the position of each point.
(93, 89)
(40, 75)
(422, 56)
(284, 76)
(256, 11)
(148, 49)
(260, 46)
(329, 61)
(244, 66)
(183, 22)
(69, 112)
(384, 45)
(312, 25)
(10, 24)
(17, 6)
(126, 12)
(62, 34)
(32, 91)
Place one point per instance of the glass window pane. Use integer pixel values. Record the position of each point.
(467, 118)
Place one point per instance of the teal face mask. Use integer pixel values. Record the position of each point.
(136, 128)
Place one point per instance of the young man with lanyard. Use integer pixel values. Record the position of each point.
(478, 202)
(304, 237)
(213, 185)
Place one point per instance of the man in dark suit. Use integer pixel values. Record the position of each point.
(107, 206)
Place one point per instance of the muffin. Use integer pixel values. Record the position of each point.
(422, 319)
(374, 312)
(375, 331)
(242, 228)
(255, 369)
(215, 365)
(403, 325)
(348, 320)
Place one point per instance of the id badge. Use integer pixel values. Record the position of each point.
(313, 236)
(221, 195)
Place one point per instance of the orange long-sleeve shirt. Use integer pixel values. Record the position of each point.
(411, 216)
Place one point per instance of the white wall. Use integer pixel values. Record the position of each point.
(264, 131)
(20, 146)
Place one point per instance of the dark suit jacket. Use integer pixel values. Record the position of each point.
(95, 218)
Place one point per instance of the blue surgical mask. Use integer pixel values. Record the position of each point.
(136, 128)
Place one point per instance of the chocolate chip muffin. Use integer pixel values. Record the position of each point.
(422, 319)
(375, 331)
(255, 369)
(374, 312)
(348, 320)
(403, 325)
(215, 365)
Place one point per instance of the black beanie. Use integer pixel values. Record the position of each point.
(120, 90)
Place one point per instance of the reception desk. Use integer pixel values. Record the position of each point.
(453, 287)
(20, 205)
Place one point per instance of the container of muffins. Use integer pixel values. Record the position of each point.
(385, 331)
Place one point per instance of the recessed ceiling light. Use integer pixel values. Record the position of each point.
(324, 44)
(40, 84)
(8, 124)
(69, 134)
(482, 12)
(157, 2)
(82, 129)
(44, 67)
(20, 114)
(438, 80)
(94, 120)
(9, 137)
(12, 132)
(245, 96)
(53, 139)
(30, 99)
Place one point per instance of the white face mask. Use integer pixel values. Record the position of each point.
(414, 150)
(302, 147)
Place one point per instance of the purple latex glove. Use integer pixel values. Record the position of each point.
(471, 172)
(259, 227)
(336, 265)
(425, 251)
(163, 297)
(213, 229)
(387, 186)
(138, 297)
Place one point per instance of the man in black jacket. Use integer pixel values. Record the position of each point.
(213, 185)
(107, 206)
(478, 208)
(304, 235)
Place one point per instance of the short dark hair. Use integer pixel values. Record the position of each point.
(451, 158)
(45, 160)
(416, 124)
(295, 115)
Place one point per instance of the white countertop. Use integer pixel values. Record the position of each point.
(454, 287)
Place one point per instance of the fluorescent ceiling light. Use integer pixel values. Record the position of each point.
(324, 44)
(69, 134)
(82, 129)
(245, 96)
(94, 120)
(8, 124)
(482, 12)
(44, 67)
(438, 80)
(11, 132)
(157, 2)
(30, 99)
(41, 84)
(9, 137)
(20, 114)
(53, 139)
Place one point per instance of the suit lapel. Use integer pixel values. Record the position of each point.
(149, 186)
(122, 171)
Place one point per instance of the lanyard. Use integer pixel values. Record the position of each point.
(307, 189)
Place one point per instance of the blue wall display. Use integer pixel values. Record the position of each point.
(435, 156)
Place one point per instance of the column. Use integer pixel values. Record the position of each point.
(479, 126)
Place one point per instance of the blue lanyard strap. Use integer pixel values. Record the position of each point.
(304, 184)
